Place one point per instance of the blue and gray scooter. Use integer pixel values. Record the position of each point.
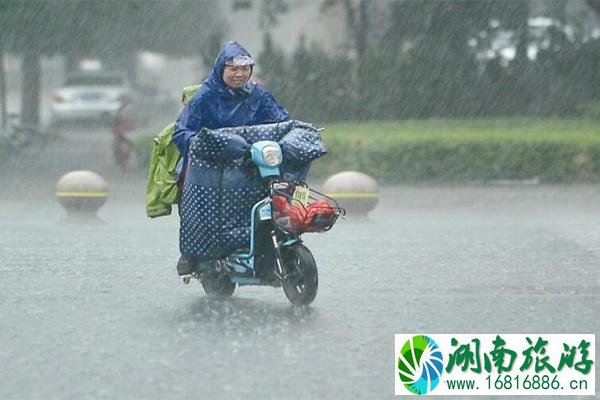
(276, 255)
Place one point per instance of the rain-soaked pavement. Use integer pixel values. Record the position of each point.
(95, 310)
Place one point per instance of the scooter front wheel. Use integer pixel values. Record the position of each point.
(217, 285)
(302, 280)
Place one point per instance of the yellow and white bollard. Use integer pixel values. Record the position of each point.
(358, 193)
(81, 193)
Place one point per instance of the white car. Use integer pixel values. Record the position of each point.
(90, 96)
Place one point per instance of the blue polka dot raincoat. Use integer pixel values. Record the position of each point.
(213, 133)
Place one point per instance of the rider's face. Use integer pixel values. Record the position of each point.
(236, 77)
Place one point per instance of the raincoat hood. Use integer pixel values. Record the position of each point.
(215, 81)
(215, 105)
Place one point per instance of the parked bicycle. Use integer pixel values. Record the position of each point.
(19, 141)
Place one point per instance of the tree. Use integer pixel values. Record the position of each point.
(594, 5)
(106, 29)
(31, 29)
(273, 65)
(357, 16)
(269, 11)
(434, 69)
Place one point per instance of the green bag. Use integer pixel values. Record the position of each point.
(161, 189)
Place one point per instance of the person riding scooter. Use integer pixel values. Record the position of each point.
(250, 224)
(228, 98)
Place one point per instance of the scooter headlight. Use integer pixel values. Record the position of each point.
(271, 155)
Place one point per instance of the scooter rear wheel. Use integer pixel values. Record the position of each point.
(302, 280)
(217, 285)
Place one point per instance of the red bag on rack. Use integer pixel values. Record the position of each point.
(316, 217)
(296, 214)
(319, 214)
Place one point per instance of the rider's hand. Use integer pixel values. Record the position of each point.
(237, 147)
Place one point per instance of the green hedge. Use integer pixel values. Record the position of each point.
(459, 150)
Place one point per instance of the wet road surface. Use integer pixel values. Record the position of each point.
(95, 310)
